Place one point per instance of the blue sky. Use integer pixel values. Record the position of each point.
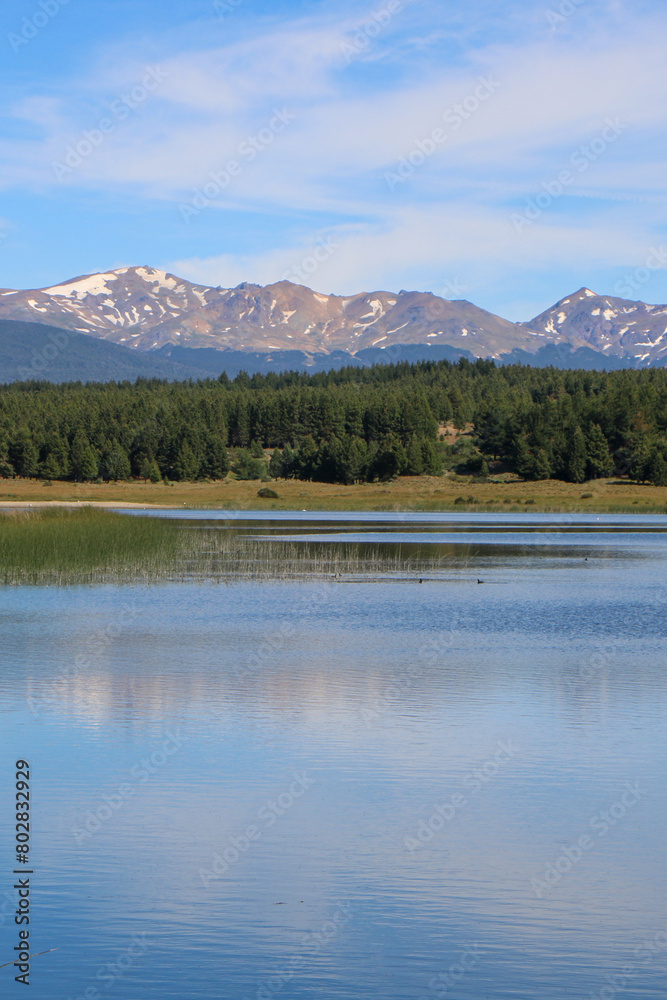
(505, 153)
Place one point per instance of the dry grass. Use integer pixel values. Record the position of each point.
(417, 494)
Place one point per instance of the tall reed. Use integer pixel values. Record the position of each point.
(89, 545)
(65, 545)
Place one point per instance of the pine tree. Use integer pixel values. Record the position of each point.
(149, 469)
(577, 458)
(657, 468)
(241, 424)
(186, 466)
(247, 467)
(288, 463)
(330, 462)
(51, 467)
(541, 465)
(116, 463)
(414, 458)
(523, 460)
(28, 465)
(215, 464)
(357, 460)
(640, 456)
(390, 460)
(528, 414)
(431, 459)
(56, 462)
(80, 444)
(306, 458)
(275, 464)
(600, 463)
(90, 465)
(491, 433)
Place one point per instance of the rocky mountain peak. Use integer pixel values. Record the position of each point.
(146, 309)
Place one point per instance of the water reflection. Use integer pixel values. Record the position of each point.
(387, 701)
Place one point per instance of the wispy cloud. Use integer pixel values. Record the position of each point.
(356, 119)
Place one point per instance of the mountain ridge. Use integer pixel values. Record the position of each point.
(147, 310)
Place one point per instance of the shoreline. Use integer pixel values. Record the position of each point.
(73, 504)
(424, 493)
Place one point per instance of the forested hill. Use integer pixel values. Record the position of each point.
(343, 426)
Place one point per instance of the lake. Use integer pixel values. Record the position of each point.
(359, 786)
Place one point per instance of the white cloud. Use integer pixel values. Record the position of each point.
(550, 100)
(354, 123)
(441, 248)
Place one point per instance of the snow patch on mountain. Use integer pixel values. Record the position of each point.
(95, 284)
(151, 309)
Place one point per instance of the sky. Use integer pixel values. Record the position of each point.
(506, 153)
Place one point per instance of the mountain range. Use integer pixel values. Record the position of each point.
(156, 324)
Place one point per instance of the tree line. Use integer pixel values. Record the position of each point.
(351, 425)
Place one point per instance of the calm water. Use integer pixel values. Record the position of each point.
(350, 788)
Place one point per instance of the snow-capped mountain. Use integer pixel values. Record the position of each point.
(148, 309)
(617, 327)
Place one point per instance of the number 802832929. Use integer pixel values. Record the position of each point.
(22, 811)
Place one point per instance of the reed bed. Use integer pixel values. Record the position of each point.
(81, 546)
(95, 546)
(228, 556)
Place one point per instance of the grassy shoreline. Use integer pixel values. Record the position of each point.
(64, 545)
(404, 494)
(87, 545)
